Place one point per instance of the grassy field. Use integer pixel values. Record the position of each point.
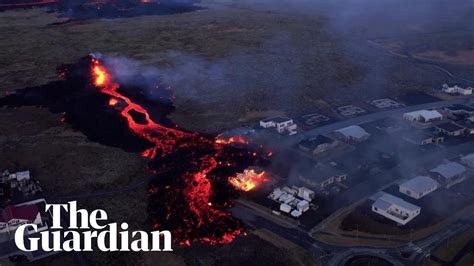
(452, 246)
(222, 62)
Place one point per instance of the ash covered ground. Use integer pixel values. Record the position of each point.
(230, 63)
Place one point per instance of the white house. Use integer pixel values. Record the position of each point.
(456, 90)
(468, 160)
(354, 133)
(418, 187)
(281, 124)
(423, 116)
(395, 209)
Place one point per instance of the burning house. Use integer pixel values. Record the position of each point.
(281, 124)
(248, 179)
(190, 170)
(239, 135)
(449, 173)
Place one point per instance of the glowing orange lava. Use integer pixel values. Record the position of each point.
(198, 188)
(234, 139)
(113, 102)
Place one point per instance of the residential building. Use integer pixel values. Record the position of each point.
(282, 124)
(320, 176)
(455, 89)
(318, 144)
(395, 209)
(423, 116)
(353, 133)
(423, 137)
(468, 160)
(451, 129)
(449, 173)
(459, 109)
(418, 187)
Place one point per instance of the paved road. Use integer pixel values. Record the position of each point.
(379, 115)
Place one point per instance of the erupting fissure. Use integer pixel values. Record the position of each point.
(193, 200)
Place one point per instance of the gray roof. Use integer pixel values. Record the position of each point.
(420, 184)
(381, 204)
(392, 200)
(355, 132)
(468, 158)
(449, 169)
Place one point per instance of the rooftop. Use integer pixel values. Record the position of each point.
(469, 157)
(277, 119)
(420, 184)
(354, 132)
(318, 172)
(392, 200)
(459, 107)
(450, 127)
(312, 143)
(449, 169)
(24, 212)
(426, 114)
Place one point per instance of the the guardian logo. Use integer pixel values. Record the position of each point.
(92, 229)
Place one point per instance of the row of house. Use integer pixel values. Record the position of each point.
(446, 174)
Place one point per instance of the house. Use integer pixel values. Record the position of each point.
(456, 90)
(418, 187)
(423, 137)
(353, 133)
(281, 124)
(395, 209)
(468, 160)
(423, 116)
(320, 176)
(451, 129)
(469, 128)
(459, 109)
(318, 144)
(449, 173)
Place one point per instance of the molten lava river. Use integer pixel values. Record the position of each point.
(191, 187)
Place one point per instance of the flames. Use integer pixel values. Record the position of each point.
(101, 77)
(235, 139)
(248, 180)
(188, 167)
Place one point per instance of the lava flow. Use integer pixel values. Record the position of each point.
(191, 189)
